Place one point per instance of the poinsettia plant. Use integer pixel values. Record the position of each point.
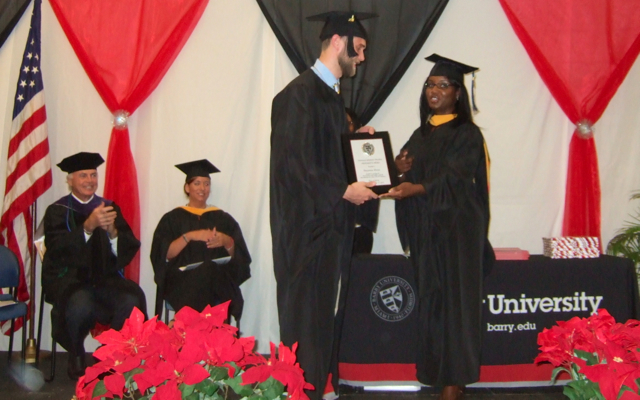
(199, 357)
(601, 356)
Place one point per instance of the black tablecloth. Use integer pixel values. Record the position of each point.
(520, 299)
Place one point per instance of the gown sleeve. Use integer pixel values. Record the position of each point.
(241, 259)
(128, 244)
(67, 251)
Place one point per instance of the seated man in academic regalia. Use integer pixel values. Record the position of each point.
(88, 244)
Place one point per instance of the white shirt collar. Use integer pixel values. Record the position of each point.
(80, 201)
(324, 73)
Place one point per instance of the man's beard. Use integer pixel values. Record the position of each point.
(347, 64)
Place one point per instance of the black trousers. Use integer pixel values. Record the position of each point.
(107, 304)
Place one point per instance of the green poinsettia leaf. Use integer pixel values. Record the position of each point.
(271, 388)
(207, 386)
(238, 387)
(192, 396)
(237, 370)
(186, 390)
(219, 373)
(625, 388)
(590, 358)
(556, 371)
(129, 374)
(583, 389)
(99, 390)
(144, 398)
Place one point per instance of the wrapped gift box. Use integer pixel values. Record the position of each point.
(511, 253)
(571, 247)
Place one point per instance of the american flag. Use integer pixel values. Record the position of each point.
(28, 164)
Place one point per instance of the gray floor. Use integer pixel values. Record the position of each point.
(63, 388)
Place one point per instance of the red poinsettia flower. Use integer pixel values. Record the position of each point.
(115, 384)
(168, 392)
(118, 362)
(610, 377)
(283, 369)
(208, 319)
(168, 357)
(131, 339)
(172, 367)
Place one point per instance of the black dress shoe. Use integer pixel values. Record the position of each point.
(76, 367)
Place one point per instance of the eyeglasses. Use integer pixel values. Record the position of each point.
(440, 85)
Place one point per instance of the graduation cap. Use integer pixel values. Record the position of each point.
(197, 168)
(343, 23)
(455, 71)
(80, 161)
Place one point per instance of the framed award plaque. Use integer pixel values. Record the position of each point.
(369, 158)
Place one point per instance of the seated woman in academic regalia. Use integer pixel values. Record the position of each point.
(198, 253)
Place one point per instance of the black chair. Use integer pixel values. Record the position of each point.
(12, 308)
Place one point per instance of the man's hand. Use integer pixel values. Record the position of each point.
(403, 190)
(359, 192)
(103, 217)
(366, 129)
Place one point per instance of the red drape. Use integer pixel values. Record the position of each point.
(583, 50)
(126, 47)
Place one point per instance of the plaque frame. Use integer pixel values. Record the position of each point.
(347, 139)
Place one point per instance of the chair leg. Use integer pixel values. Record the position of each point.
(11, 340)
(52, 374)
(39, 340)
(24, 344)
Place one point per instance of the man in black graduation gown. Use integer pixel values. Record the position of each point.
(88, 244)
(311, 201)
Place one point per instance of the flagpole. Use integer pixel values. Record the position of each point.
(30, 351)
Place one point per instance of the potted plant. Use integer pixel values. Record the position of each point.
(602, 357)
(199, 357)
(626, 243)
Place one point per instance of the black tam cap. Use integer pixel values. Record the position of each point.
(343, 23)
(197, 168)
(453, 70)
(80, 161)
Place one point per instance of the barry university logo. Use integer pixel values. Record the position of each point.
(392, 299)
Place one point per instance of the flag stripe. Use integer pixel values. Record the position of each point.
(38, 153)
(27, 198)
(23, 132)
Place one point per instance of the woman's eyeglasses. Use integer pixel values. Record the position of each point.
(439, 85)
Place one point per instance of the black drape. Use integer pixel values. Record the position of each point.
(10, 13)
(395, 38)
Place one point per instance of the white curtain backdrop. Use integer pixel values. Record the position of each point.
(215, 103)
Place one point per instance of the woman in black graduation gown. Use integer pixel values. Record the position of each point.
(443, 217)
(198, 233)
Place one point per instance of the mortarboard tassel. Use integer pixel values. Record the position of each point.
(473, 92)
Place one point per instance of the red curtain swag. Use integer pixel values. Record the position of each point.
(582, 50)
(126, 47)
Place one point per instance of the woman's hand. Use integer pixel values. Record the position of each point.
(403, 162)
(404, 190)
(209, 236)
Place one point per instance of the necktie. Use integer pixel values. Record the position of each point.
(336, 87)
